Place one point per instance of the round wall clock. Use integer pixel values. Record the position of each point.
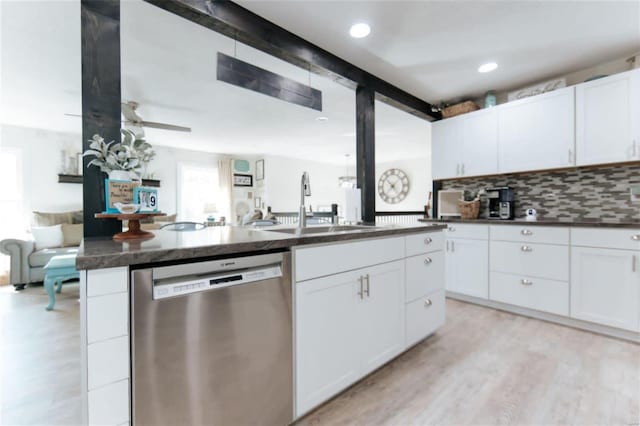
(393, 186)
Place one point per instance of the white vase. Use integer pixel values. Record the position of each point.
(120, 175)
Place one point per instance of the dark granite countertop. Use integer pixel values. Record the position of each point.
(584, 223)
(169, 246)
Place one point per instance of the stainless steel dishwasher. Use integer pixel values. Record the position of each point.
(212, 343)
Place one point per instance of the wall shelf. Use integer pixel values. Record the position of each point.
(62, 178)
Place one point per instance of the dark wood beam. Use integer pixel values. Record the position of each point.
(365, 151)
(234, 21)
(100, 35)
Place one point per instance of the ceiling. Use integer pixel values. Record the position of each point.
(168, 66)
(432, 49)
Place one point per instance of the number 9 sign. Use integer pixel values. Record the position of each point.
(147, 198)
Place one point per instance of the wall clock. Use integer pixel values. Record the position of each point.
(393, 186)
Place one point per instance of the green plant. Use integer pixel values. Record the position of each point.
(128, 155)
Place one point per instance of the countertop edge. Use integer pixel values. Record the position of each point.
(160, 255)
(522, 222)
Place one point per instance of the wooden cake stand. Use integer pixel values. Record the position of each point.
(134, 232)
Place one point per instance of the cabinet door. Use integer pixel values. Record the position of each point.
(382, 316)
(606, 111)
(468, 267)
(605, 287)
(424, 274)
(327, 351)
(537, 133)
(480, 143)
(446, 142)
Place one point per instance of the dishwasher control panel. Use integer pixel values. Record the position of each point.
(163, 289)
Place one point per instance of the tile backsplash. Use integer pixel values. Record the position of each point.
(594, 193)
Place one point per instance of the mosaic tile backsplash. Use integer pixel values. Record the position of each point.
(601, 193)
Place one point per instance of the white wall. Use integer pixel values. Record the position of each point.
(41, 163)
(282, 183)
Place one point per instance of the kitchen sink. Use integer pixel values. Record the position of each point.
(323, 229)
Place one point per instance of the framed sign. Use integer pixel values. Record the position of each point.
(242, 180)
(147, 198)
(118, 191)
(260, 170)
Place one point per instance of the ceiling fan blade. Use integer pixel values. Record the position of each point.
(164, 126)
(72, 115)
(129, 112)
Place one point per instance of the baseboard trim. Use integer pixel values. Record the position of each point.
(544, 316)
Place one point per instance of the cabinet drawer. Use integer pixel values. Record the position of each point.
(319, 261)
(535, 260)
(424, 274)
(424, 316)
(470, 232)
(533, 293)
(626, 239)
(530, 234)
(424, 243)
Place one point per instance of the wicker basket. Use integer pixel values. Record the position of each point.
(469, 209)
(461, 108)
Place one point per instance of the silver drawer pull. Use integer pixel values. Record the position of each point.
(428, 260)
(526, 282)
(635, 237)
(427, 303)
(526, 248)
(428, 240)
(526, 232)
(452, 229)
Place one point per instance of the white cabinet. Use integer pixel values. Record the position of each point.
(424, 274)
(466, 145)
(467, 267)
(605, 287)
(446, 145)
(537, 133)
(607, 115)
(347, 325)
(424, 316)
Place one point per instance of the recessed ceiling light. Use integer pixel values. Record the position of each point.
(488, 67)
(360, 30)
(322, 119)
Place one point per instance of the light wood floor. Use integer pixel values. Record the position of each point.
(484, 367)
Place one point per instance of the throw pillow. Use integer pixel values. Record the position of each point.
(72, 234)
(47, 236)
(77, 216)
(50, 219)
(168, 218)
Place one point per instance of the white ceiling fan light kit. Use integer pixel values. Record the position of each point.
(360, 30)
(488, 67)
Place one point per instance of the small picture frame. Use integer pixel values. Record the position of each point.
(147, 198)
(260, 170)
(242, 180)
(117, 191)
(257, 202)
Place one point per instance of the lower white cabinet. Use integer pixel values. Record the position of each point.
(467, 267)
(605, 286)
(531, 292)
(424, 316)
(347, 325)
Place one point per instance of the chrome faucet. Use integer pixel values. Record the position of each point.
(305, 191)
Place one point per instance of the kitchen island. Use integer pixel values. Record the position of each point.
(344, 285)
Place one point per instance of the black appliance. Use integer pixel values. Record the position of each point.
(501, 203)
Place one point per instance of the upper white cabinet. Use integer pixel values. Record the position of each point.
(607, 115)
(537, 133)
(466, 145)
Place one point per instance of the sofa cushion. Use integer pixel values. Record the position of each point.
(72, 234)
(39, 258)
(50, 219)
(47, 236)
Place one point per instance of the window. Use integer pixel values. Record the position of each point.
(198, 192)
(12, 224)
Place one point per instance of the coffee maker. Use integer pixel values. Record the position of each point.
(501, 205)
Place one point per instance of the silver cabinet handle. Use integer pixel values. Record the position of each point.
(361, 292)
(462, 169)
(453, 246)
(428, 261)
(458, 169)
(447, 245)
(526, 282)
(635, 237)
(428, 240)
(634, 148)
(526, 248)
(367, 291)
(570, 156)
(451, 229)
(526, 232)
(427, 303)
(633, 263)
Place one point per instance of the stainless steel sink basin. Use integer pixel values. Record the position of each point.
(322, 229)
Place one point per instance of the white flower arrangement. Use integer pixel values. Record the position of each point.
(129, 155)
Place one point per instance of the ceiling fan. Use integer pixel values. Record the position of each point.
(135, 123)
